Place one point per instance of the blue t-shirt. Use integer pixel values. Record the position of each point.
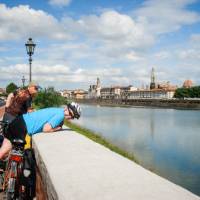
(36, 120)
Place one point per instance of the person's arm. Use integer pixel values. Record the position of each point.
(9, 100)
(54, 124)
(30, 109)
(47, 128)
(5, 148)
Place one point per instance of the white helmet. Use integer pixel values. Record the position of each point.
(75, 109)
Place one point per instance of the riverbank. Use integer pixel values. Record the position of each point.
(100, 140)
(153, 103)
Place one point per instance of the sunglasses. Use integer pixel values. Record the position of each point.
(36, 88)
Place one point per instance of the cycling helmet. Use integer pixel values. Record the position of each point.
(75, 109)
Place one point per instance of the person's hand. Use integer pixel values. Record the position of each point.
(31, 110)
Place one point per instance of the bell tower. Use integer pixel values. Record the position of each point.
(152, 84)
(98, 88)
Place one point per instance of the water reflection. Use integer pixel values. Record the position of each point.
(166, 141)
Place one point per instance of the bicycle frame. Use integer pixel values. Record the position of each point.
(13, 172)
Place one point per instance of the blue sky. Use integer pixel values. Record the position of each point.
(118, 41)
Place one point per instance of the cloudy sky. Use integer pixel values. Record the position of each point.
(118, 41)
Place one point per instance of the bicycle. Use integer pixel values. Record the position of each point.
(14, 169)
(13, 186)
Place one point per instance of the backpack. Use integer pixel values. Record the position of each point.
(30, 181)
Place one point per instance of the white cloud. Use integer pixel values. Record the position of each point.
(195, 41)
(195, 37)
(60, 2)
(23, 22)
(189, 54)
(133, 56)
(103, 41)
(162, 55)
(115, 29)
(166, 15)
(56, 74)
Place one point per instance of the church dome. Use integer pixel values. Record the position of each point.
(187, 84)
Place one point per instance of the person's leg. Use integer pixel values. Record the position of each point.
(5, 148)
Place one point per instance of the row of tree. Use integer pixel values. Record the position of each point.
(193, 92)
(48, 97)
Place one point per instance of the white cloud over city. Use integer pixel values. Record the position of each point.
(59, 2)
(22, 21)
(120, 48)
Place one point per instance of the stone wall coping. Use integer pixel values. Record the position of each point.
(75, 168)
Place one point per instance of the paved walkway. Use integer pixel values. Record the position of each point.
(76, 168)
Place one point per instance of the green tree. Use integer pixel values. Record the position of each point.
(193, 92)
(11, 87)
(49, 98)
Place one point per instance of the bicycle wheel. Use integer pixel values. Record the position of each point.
(9, 181)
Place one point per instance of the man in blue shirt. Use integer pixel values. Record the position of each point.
(46, 120)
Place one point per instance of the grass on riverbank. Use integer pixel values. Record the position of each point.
(100, 140)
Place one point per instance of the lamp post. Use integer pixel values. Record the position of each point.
(23, 81)
(30, 46)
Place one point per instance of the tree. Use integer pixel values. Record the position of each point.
(11, 87)
(49, 98)
(193, 92)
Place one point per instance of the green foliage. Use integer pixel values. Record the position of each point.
(3, 95)
(193, 92)
(48, 98)
(11, 87)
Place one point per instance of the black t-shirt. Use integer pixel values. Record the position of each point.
(26, 105)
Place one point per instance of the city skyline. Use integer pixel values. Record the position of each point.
(117, 41)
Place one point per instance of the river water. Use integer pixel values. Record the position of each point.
(166, 141)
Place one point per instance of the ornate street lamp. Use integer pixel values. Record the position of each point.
(30, 46)
(23, 81)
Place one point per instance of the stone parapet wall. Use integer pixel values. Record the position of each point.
(164, 103)
(73, 167)
(45, 187)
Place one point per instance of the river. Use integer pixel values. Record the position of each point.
(166, 141)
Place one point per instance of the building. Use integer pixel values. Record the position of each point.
(153, 83)
(2, 91)
(79, 94)
(116, 92)
(74, 94)
(187, 84)
(152, 94)
(94, 90)
(124, 91)
(66, 93)
(110, 92)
